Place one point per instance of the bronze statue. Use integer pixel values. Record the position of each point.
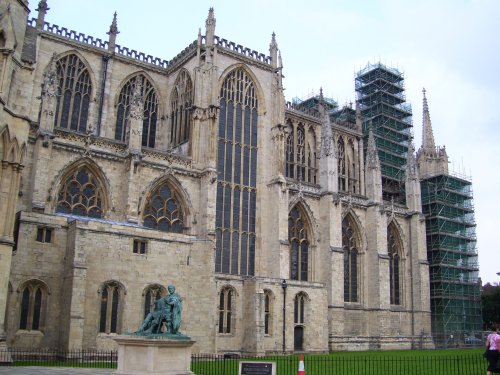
(166, 310)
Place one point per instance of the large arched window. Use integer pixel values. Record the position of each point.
(236, 176)
(163, 210)
(351, 252)
(149, 104)
(300, 150)
(74, 94)
(180, 105)
(111, 307)
(226, 308)
(33, 302)
(152, 294)
(299, 245)
(394, 251)
(81, 194)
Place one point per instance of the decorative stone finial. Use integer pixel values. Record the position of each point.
(210, 28)
(42, 11)
(113, 32)
(273, 51)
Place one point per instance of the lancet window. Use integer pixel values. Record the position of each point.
(74, 94)
(268, 313)
(300, 153)
(394, 251)
(342, 165)
(111, 307)
(163, 210)
(236, 175)
(299, 245)
(81, 194)
(33, 303)
(351, 255)
(226, 308)
(149, 103)
(180, 104)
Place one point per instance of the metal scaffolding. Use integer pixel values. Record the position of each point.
(447, 204)
(381, 98)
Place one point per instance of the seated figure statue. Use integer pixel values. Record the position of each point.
(167, 309)
(152, 324)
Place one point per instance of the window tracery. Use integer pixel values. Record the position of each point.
(180, 104)
(300, 153)
(163, 210)
(74, 92)
(150, 110)
(299, 245)
(236, 175)
(81, 194)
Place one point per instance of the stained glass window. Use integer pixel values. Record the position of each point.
(299, 245)
(180, 105)
(74, 94)
(150, 105)
(236, 176)
(350, 247)
(81, 194)
(163, 211)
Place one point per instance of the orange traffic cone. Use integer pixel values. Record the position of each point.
(302, 370)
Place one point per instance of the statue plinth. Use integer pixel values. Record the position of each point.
(142, 355)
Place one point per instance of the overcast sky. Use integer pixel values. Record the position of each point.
(450, 47)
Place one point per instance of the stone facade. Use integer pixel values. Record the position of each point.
(80, 213)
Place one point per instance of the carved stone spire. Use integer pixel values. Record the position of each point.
(210, 28)
(372, 160)
(49, 98)
(42, 11)
(427, 135)
(113, 32)
(273, 51)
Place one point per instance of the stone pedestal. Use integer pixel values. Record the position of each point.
(138, 355)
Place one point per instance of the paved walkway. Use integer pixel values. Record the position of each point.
(54, 371)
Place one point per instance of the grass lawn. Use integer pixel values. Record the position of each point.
(403, 362)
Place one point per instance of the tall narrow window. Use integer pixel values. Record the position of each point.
(163, 211)
(180, 105)
(32, 306)
(350, 247)
(267, 313)
(342, 165)
(225, 310)
(111, 305)
(81, 194)
(298, 319)
(394, 261)
(290, 164)
(236, 176)
(150, 105)
(299, 245)
(74, 94)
